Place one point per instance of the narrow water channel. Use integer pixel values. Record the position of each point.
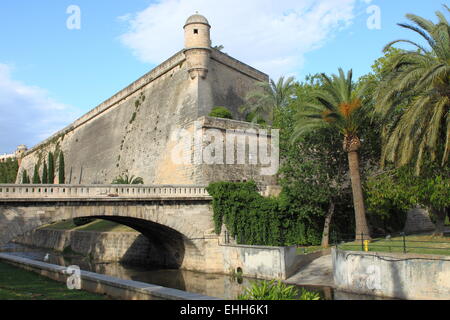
(214, 285)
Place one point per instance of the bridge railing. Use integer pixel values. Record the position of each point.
(15, 191)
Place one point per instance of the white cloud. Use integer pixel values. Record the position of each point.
(28, 114)
(270, 35)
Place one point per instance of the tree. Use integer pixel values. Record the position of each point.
(45, 173)
(268, 97)
(125, 179)
(338, 105)
(61, 169)
(415, 94)
(25, 178)
(8, 171)
(400, 189)
(313, 178)
(36, 178)
(51, 169)
(313, 170)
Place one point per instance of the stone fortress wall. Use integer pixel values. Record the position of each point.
(131, 131)
(18, 154)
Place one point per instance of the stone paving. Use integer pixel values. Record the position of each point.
(318, 273)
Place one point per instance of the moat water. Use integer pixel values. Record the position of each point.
(214, 285)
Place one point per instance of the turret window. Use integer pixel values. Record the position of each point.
(195, 31)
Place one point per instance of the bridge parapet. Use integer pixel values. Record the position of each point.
(63, 192)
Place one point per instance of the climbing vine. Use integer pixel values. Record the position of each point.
(255, 220)
(137, 103)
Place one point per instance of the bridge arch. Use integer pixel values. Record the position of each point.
(170, 214)
(176, 228)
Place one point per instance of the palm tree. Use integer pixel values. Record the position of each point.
(125, 179)
(267, 97)
(414, 97)
(337, 104)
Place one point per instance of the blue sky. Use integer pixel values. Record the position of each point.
(50, 75)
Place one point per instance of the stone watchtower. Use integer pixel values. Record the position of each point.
(20, 152)
(197, 44)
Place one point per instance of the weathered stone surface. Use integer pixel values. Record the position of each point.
(175, 231)
(132, 130)
(396, 275)
(100, 247)
(180, 234)
(418, 220)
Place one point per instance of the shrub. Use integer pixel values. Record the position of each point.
(221, 112)
(308, 295)
(133, 117)
(269, 290)
(125, 179)
(252, 117)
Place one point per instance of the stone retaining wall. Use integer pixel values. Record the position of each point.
(254, 261)
(395, 275)
(101, 247)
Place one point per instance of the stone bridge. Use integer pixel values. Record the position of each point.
(178, 220)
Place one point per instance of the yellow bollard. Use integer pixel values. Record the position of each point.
(366, 245)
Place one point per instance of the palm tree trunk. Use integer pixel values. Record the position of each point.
(326, 227)
(362, 228)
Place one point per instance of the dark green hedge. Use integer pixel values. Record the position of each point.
(8, 171)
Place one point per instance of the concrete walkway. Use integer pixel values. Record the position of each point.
(318, 273)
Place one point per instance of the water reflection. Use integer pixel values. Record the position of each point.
(214, 285)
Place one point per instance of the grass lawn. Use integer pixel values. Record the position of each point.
(308, 249)
(424, 244)
(63, 225)
(19, 284)
(105, 226)
(96, 225)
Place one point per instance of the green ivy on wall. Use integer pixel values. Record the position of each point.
(255, 220)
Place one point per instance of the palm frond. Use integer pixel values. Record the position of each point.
(425, 24)
(419, 31)
(390, 45)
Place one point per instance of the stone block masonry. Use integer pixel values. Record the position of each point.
(100, 247)
(418, 220)
(134, 248)
(179, 234)
(131, 132)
